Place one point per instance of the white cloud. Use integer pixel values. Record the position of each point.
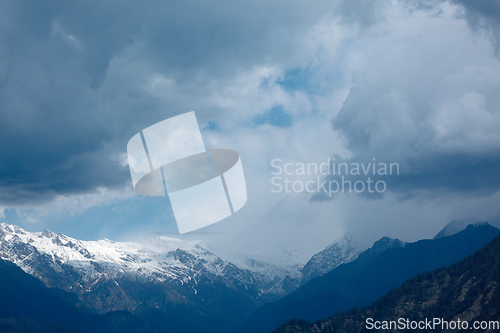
(71, 205)
(466, 125)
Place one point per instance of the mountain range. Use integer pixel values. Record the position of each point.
(465, 291)
(180, 286)
(374, 273)
(170, 285)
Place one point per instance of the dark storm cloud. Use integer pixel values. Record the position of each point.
(485, 15)
(434, 176)
(481, 15)
(62, 128)
(53, 130)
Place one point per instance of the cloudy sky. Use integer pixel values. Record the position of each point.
(415, 83)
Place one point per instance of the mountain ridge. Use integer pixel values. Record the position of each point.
(367, 278)
(466, 290)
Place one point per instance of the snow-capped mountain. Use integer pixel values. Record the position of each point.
(164, 280)
(342, 250)
(160, 259)
(455, 227)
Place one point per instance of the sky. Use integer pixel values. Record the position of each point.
(367, 83)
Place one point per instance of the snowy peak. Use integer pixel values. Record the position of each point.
(342, 250)
(67, 263)
(82, 266)
(456, 226)
(104, 250)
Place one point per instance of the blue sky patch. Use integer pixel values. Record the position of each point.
(297, 79)
(276, 117)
